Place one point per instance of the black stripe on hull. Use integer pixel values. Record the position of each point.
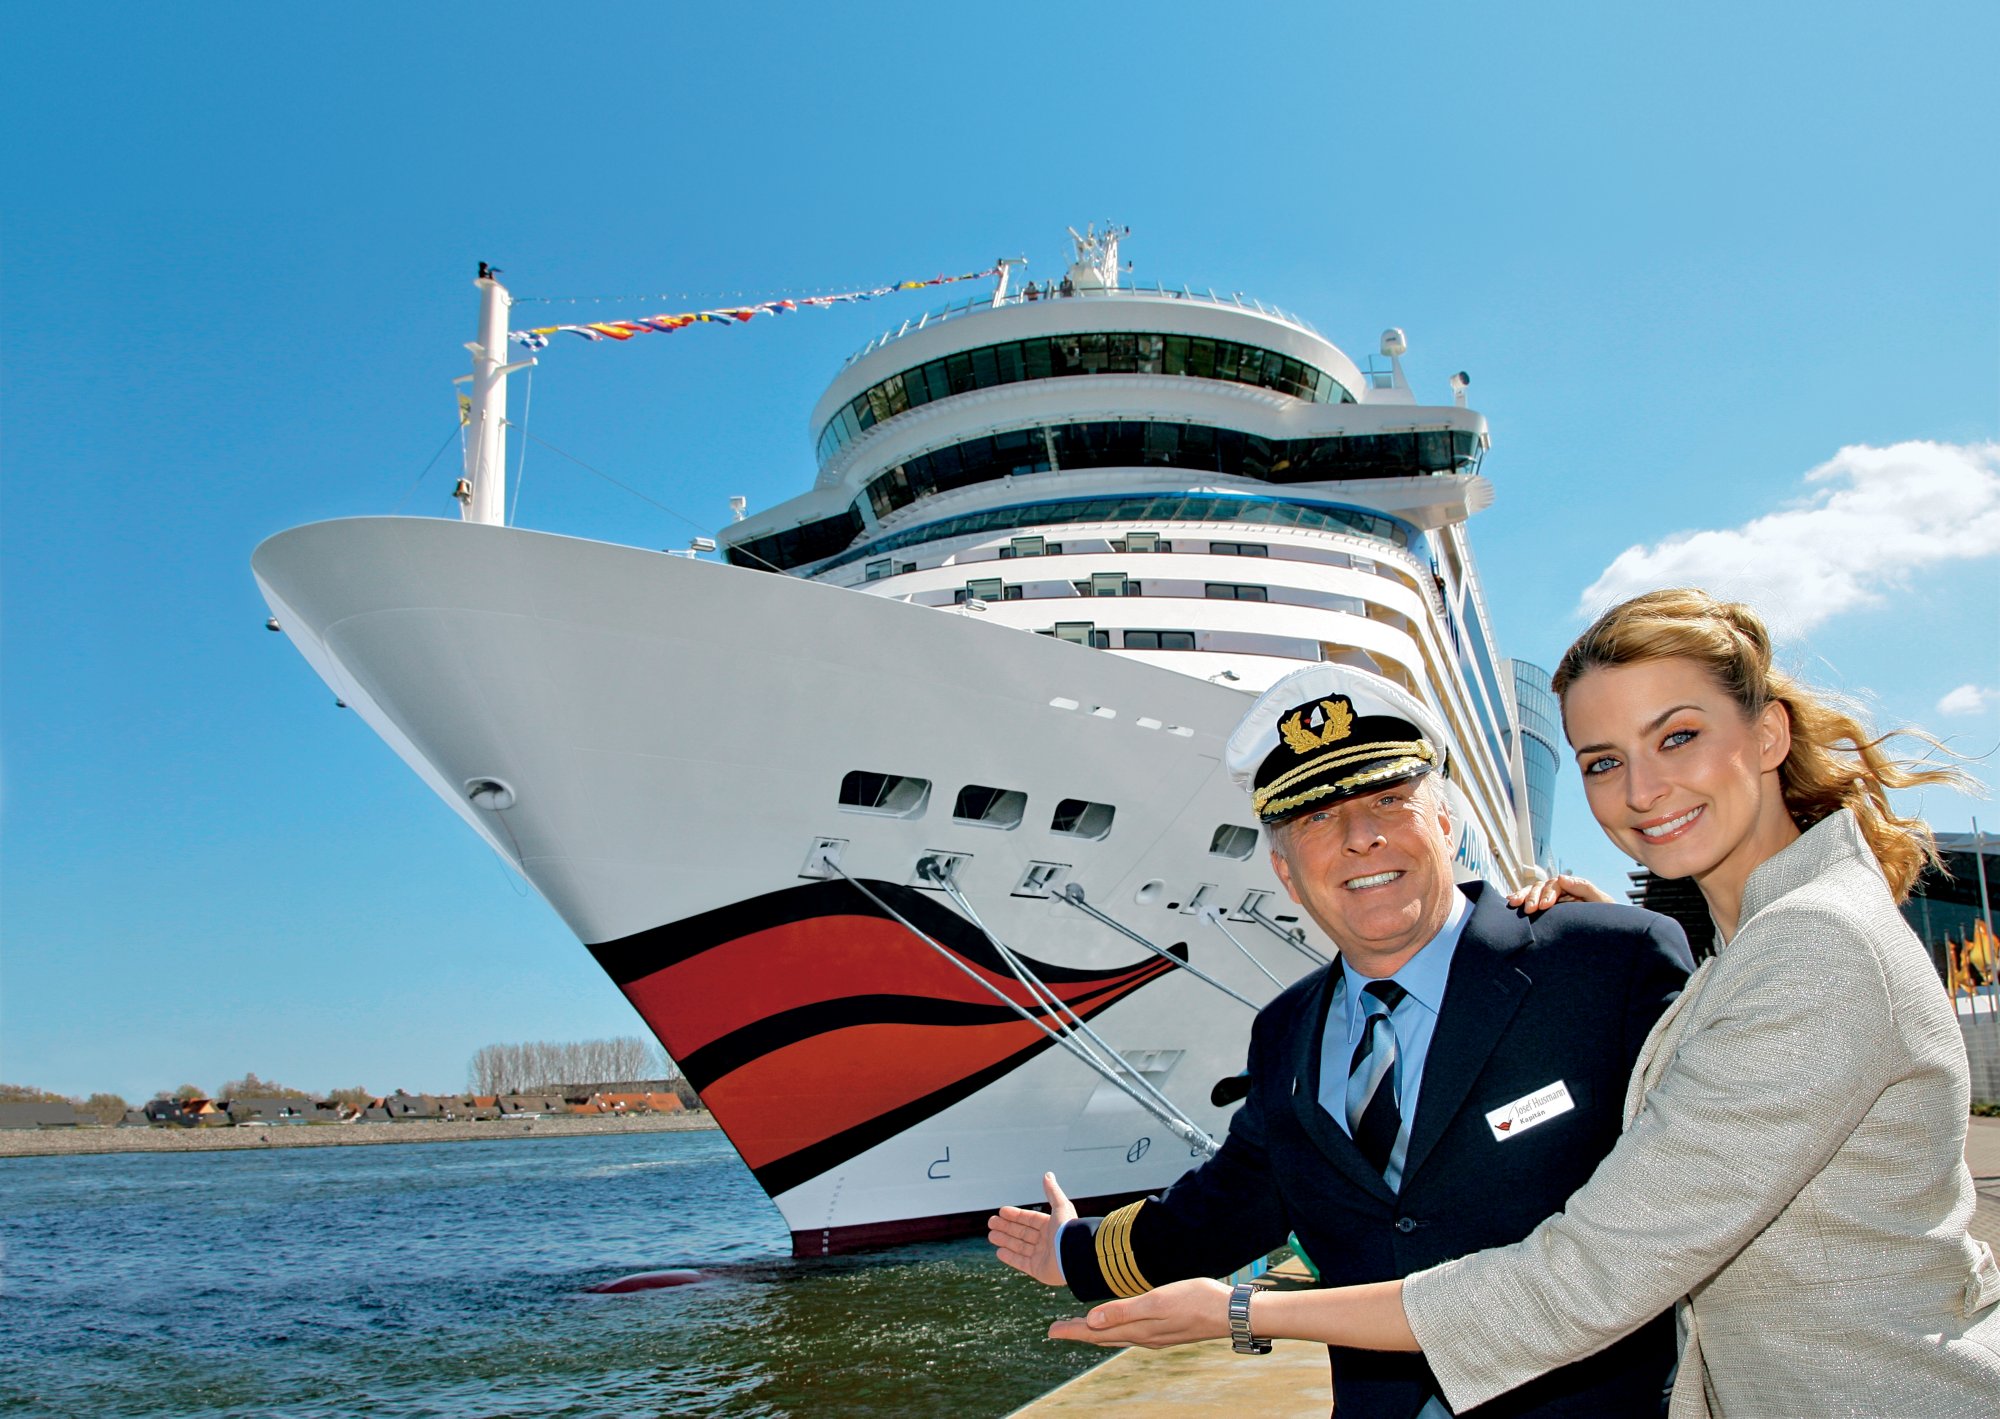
(630, 958)
(774, 1032)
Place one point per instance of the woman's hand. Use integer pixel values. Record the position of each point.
(1030, 1242)
(1172, 1315)
(1366, 1317)
(1540, 896)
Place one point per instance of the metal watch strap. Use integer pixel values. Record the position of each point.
(1240, 1338)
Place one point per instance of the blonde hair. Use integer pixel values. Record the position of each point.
(1834, 761)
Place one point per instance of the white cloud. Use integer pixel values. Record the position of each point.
(1968, 699)
(1869, 519)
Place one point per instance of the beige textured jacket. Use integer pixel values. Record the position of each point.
(1792, 1174)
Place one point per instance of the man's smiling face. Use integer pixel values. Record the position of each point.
(1373, 870)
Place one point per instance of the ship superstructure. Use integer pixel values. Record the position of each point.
(890, 822)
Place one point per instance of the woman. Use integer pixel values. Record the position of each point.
(1792, 1172)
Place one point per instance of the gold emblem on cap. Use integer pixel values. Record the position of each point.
(1337, 725)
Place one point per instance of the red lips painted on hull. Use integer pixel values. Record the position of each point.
(815, 1026)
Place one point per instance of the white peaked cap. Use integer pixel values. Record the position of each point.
(1369, 697)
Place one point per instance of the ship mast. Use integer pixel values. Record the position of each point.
(1096, 264)
(482, 492)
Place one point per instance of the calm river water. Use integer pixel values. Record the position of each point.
(447, 1280)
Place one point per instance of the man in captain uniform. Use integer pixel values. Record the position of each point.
(1441, 1088)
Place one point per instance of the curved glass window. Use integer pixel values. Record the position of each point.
(1541, 732)
(1089, 352)
(795, 546)
(1139, 443)
(1156, 507)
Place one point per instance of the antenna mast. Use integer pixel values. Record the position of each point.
(482, 492)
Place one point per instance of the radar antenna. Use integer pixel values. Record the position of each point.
(1096, 264)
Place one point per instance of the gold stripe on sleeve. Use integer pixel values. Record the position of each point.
(1114, 1253)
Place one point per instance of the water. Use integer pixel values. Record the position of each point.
(447, 1280)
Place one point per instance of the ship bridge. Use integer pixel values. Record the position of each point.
(1091, 373)
(1126, 466)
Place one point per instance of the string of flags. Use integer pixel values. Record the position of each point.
(538, 338)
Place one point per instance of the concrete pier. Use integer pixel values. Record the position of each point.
(1292, 1382)
(1200, 1379)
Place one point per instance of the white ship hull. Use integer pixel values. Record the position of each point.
(1055, 540)
(674, 734)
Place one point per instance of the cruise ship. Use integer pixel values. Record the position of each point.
(898, 810)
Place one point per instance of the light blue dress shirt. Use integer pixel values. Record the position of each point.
(1423, 977)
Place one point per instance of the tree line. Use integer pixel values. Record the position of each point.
(497, 1069)
(536, 1065)
(110, 1108)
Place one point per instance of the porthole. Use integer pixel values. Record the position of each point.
(892, 795)
(1233, 842)
(990, 807)
(1079, 819)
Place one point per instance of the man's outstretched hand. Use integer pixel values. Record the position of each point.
(1029, 1241)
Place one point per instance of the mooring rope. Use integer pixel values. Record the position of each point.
(1194, 1132)
(1073, 894)
(1193, 1136)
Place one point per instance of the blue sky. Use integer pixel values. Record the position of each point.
(1688, 255)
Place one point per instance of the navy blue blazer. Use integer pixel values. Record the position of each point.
(1567, 996)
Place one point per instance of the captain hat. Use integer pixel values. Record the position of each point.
(1327, 732)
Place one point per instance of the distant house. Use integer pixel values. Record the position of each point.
(268, 1111)
(134, 1118)
(531, 1106)
(168, 1113)
(40, 1115)
(374, 1111)
(582, 1093)
(402, 1107)
(194, 1112)
(606, 1102)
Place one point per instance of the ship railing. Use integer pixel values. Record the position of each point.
(1158, 291)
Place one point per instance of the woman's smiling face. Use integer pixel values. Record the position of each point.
(1677, 774)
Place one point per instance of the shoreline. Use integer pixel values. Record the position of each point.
(83, 1142)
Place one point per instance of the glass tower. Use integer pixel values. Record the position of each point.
(1541, 733)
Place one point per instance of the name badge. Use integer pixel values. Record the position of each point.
(1530, 1109)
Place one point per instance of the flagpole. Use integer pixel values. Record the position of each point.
(1979, 857)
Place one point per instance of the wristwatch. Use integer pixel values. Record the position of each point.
(1240, 1338)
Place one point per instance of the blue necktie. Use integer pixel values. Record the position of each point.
(1373, 1118)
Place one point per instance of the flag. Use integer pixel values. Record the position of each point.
(538, 338)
